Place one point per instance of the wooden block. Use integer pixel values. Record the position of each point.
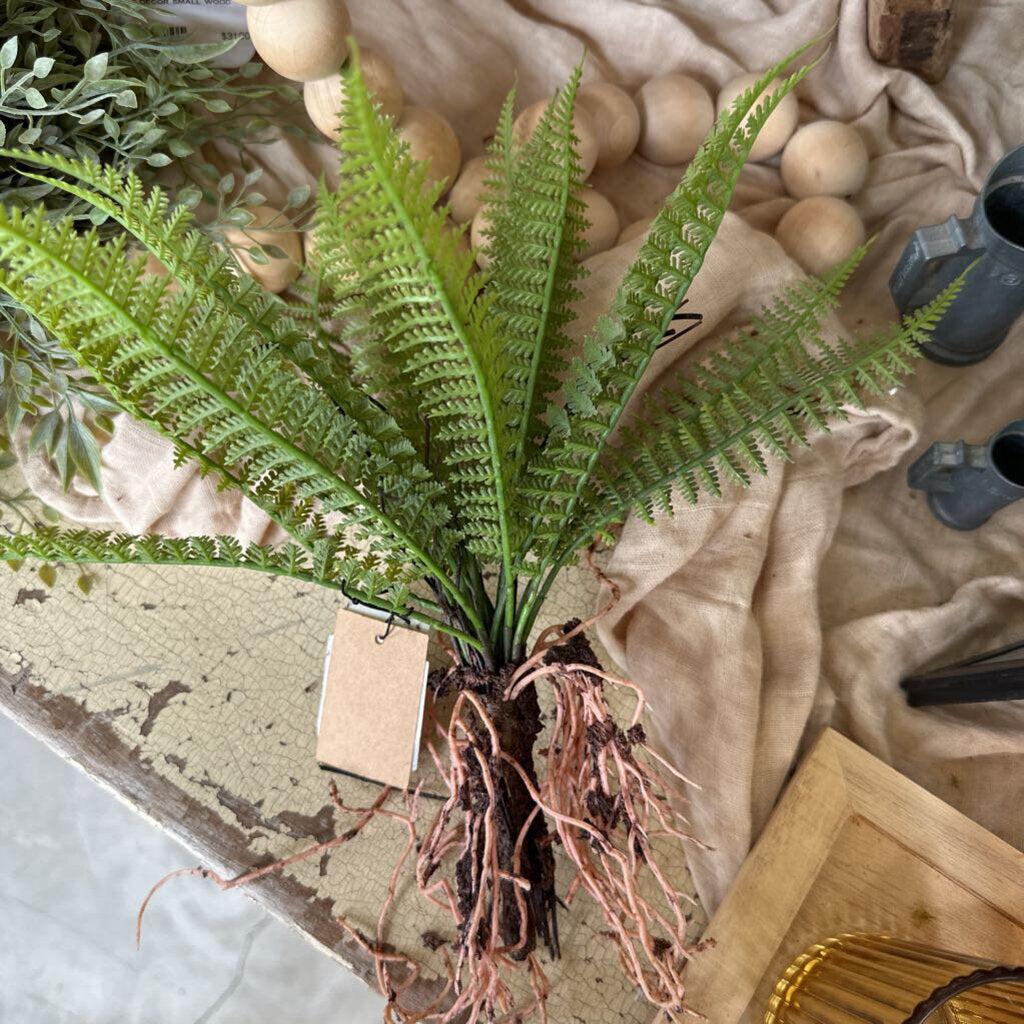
(853, 846)
(913, 34)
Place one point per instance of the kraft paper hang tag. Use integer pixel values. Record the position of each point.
(206, 21)
(371, 706)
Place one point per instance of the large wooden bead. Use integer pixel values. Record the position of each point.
(467, 193)
(277, 273)
(631, 231)
(582, 128)
(301, 39)
(324, 96)
(820, 232)
(780, 124)
(676, 113)
(432, 139)
(604, 223)
(615, 118)
(826, 158)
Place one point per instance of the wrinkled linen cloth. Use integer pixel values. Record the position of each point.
(756, 618)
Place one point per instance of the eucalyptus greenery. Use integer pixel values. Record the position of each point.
(102, 81)
(464, 440)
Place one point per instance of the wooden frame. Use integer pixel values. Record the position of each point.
(855, 846)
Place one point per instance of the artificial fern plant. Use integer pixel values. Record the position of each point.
(457, 451)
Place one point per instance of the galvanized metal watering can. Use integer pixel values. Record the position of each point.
(967, 483)
(993, 294)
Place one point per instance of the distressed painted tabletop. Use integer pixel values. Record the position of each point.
(193, 695)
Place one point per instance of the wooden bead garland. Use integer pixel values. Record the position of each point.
(676, 113)
(324, 97)
(825, 158)
(615, 119)
(301, 39)
(465, 199)
(780, 124)
(604, 223)
(431, 138)
(820, 232)
(277, 273)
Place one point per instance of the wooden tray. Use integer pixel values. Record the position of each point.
(855, 846)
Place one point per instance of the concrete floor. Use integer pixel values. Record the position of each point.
(74, 865)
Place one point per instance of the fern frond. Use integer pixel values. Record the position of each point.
(425, 315)
(323, 566)
(536, 238)
(761, 403)
(619, 350)
(202, 376)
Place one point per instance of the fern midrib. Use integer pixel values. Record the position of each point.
(313, 465)
(484, 395)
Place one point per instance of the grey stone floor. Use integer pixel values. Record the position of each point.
(74, 865)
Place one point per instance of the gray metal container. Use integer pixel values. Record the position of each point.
(967, 483)
(993, 293)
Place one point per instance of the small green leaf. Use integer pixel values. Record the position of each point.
(51, 515)
(95, 67)
(189, 197)
(14, 564)
(7, 460)
(126, 100)
(35, 99)
(84, 583)
(30, 136)
(42, 67)
(158, 160)
(84, 453)
(226, 184)
(258, 256)
(297, 196)
(275, 252)
(91, 116)
(217, 106)
(48, 574)
(9, 53)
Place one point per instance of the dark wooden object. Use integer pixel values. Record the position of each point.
(916, 35)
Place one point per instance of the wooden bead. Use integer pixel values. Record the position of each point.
(820, 232)
(638, 227)
(277, 273)
(432, 139)
(780, 124)
(826, 158)
(676, 113)
(615, 118)
(301, 39)
(466, 195)
(604, 223)
(582, 128)
(324, 96)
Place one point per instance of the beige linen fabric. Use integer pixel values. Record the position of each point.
(756, 618)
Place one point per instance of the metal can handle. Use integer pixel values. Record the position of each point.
(919, 274)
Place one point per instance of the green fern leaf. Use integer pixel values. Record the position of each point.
(426, 318)
(620, 349)
(536, 238)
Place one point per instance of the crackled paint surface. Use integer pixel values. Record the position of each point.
(193, 695)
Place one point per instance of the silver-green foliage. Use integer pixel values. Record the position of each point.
(435, 448)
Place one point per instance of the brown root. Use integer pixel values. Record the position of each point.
(608, 798)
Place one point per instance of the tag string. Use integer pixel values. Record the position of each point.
(381, 637)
